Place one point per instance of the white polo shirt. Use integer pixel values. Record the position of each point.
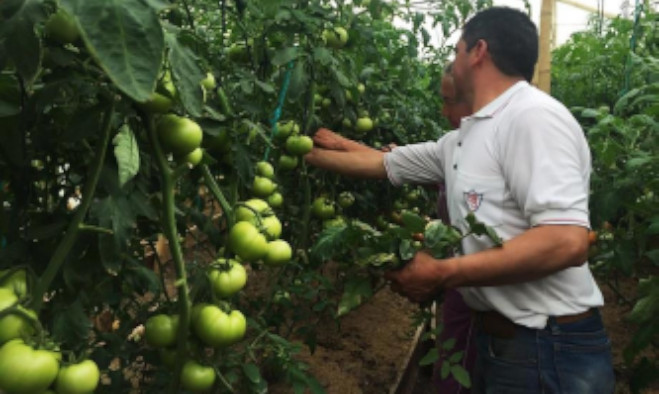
(521, 161)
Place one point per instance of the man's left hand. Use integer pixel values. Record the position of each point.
(421, 279)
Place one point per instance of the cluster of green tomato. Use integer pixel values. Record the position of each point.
(211, 324)
(26, 367)
(178, 135)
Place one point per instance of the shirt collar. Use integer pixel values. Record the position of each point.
(499, 103)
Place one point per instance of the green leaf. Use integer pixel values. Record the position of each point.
(10, 96)
(127, 154)
(323, 56)
(449, 344)
(356, 291)
(461, 375)
(284, 56)
(71, 324)
(430, 358)
(413, 222)
(23, 47)
(126, 39)
(299, 82)
(406, 249)
(252, 372)
(456, 357)
(187, 74)
(329, 241)
(446, 369)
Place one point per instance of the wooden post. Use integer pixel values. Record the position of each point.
(543, 72)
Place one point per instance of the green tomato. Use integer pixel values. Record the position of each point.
(78, 378)
(276, 200)
(336, 38)
(161, 330)
(157, 104)
(193, 158)
(179, 135)
(347, 123)
(317, 99)
(287, 162)
(16, 281)
(271, 226)
(218, 329)
(348, 95)
(248, 210)
(196, 377)
(263, 187)
(26, 370)
(323, 208)
(228, 282)
(346, 199)
(265, 169)
(299, 145)
(286, 129)
(61, 27)
(364, 124)
(247, 241)
(166, 85)
(279, 253)
(12, 325)
(334, 222)
(209, 83)
(361, 88)
(326, 103)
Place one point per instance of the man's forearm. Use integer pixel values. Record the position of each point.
(361, 163)
(537, 253)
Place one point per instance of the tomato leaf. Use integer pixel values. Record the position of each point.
(252, 372)
(356, 291)
(430, 357)
(126, 39)
(299, 82)
(456, 357)
(461, 375)
(9, 96)
(285, 55)
(446, 369)
(127, 154)
(71, 324)
(187, 74)
(413, 222)
(24, 47)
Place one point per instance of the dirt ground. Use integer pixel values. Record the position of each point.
(373, 346)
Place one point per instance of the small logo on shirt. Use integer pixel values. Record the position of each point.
(473, 200)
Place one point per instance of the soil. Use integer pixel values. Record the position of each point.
(372, 347)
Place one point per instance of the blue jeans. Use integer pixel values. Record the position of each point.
(570, 358)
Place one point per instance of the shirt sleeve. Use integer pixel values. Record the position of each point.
(420, 163)
(547, 166)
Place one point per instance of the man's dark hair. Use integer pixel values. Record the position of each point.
(511, 36)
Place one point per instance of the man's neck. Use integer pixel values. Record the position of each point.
(490, 85)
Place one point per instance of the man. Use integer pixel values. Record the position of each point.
(521, 164)
(456, 317)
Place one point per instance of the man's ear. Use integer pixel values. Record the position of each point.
(479, 52)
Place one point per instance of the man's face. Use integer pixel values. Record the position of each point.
(461, 71)
(454, 108)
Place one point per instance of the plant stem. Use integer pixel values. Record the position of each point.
(169, 225)
(217, 193)
(73, 229)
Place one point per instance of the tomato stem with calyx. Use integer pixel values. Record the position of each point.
(169, 224)
(217, 193)
(88, 194)
(15, 310)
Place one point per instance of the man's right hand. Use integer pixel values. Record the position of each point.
(327, 139)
